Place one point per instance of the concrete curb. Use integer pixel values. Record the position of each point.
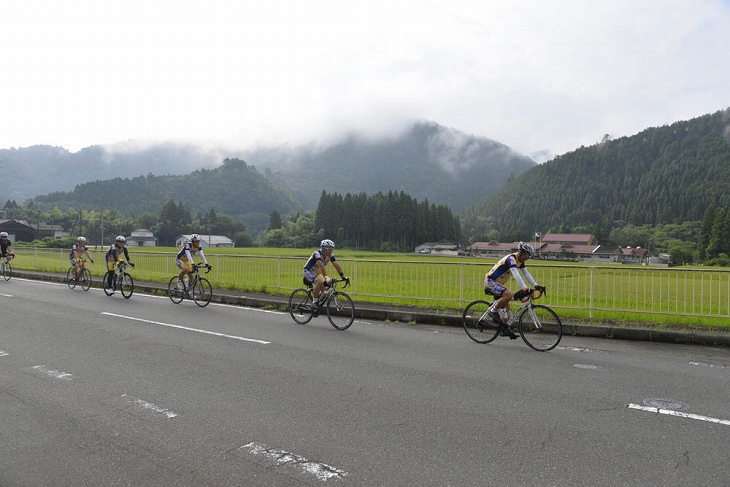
(389, 313)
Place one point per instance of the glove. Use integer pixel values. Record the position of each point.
(92, 260)
(130, 263)
(540, 288)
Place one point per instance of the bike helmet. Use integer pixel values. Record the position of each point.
(81, 240)
(121, 239)
(327, 244)
(526, 248)
(4, 234)
(195, 237)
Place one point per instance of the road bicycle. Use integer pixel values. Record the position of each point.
(121, 280)
(199, 289)
(538, 325)
(6, 268)
(80, 276)
(339, 306)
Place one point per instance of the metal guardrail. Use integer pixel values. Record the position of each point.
(446, 285)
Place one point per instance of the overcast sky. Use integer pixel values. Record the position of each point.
(535, 75)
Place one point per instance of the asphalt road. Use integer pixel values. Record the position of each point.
(99, 390)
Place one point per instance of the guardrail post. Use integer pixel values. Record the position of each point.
(592, 291)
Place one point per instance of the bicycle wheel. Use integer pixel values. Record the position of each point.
(340, 310)
(202, 292)
(71, 278)
(540, 328)
(106, 282)
(300, 305)
(176, 295)
(477, 324)
(86, 279)
(126, 285)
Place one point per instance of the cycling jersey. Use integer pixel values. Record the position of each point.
(4, 247)
(509, 263)
(318, 256)
(114, 252)
(188, 251)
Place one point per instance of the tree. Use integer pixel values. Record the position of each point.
(274, 220)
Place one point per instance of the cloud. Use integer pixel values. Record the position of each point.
(537, 76)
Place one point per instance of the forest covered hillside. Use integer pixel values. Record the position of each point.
(663, 175)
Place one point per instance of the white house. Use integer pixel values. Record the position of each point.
(142, 238)
(206, 240)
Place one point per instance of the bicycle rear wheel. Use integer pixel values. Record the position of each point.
(176, 295)
(86, 279)
(126, 284)
(540, 328)
(202, 292)
(71, 278)
(477, 323)
(340, 310)
(300, 305)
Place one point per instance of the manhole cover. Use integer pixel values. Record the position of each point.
(664, 403)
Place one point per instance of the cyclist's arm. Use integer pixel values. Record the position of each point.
(518, 277)
(322, 269)
(189, 255)
(529, 277)
(126, 253)
(338, 267)
(202, 256)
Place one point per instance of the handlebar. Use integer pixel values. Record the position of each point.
(524, 295)
(346, 281)
(208, 267)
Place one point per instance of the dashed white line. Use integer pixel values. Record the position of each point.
(679, 414)
(54, 374)
(321, 471)
(186, 328)
(148, 405)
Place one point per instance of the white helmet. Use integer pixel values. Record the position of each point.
(121, 238)
(526, 248)
(81, 240)
(327, 244)
(4, 234)
(195, 237)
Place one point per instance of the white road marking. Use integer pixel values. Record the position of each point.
(148, 405)
(671, 412)
(319, 470)
(3, 353)
(6, 295)
(197, 330)
(702, 364)
(54, 374)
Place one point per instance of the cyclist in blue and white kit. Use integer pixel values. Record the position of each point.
(513, 264)
(184, 260)
(315, 270)
(113, 257)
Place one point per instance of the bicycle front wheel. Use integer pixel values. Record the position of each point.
(202, 292)
(71, 278)
(540, 328)
(126, 285)
(176, 295)
(300, 306)
(477, 323)
(340, 310)
(86, 279)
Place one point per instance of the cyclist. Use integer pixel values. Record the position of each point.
(6, 249)
(315, 270)
(498, 275)
(77, 250)
(113, 257)
(184, 260)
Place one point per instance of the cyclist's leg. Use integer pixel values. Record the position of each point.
(110, 274)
